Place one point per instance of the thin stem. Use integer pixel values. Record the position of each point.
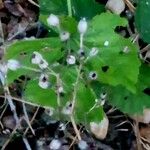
(75, 88)
(58, 84)
(20, 100)
(27, 118)
(31, 121)
(75, 127)
(32, 69)
(69, 8)
(81, 41)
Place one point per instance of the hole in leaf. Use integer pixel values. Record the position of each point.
(24, 78)
(105, 68)
(122, 31)
(147, 91)
(23, 53)
(126, 97)
(62, 94)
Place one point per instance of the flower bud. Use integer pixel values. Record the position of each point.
(13, 64)
(64, 36)
(53, 20)
(67, 110)
(71, 60)
(36, 58)
(43, 81)
(82, 26)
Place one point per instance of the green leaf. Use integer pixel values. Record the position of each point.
(142, 19)
(68, 75)
(133, 103)
(88, 8)
(84, 102)
(79, 8)
(50, 48)
(122, 68)
(44, 97)
(68, 24)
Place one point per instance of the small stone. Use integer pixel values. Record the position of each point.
(9, 122)
(82, 145)
(100, 129)
(116, 6)
(55, 144)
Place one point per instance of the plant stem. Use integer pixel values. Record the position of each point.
(58, 84)
(75, 127)
(76, 87)
(69, 8)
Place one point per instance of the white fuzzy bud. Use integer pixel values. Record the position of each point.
(53, 20)
(43, 81)
(43, 64)
(36, 58)
(13, 64)
(71, 60)
(82, 145)
(55, 144)
(93, 51)
(64, 36)
(82, 26)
